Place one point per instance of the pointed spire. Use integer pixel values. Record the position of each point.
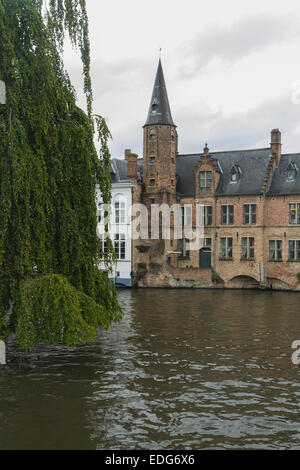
(159, 111)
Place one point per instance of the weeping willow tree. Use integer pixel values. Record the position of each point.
(51, 290)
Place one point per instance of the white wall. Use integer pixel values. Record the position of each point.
(121, 193)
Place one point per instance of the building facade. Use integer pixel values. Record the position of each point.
(120, 226)
(251, 202)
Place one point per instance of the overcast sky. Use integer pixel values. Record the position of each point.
(231, 69)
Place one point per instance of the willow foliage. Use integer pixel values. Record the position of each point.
(49, 166)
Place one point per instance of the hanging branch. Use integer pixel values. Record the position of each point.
(49, 249)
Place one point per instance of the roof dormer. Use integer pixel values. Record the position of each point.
(291, 171)
(235, 173)
(207, 174)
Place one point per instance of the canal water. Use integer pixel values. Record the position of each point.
(185, 369)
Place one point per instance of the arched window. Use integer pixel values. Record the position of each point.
(235, 173)
(291, 171)
(152, 135)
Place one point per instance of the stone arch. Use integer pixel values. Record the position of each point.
(277, 284)
(243, 281)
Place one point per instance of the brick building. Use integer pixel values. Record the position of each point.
(252, 209)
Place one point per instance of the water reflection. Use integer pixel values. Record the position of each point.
(186, 369)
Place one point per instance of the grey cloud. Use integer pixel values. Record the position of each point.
(124, 76)
(245, 36)
(251, 129)
(242, 130)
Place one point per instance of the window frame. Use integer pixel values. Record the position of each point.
(226, 252)
(185, 253)
(206, 243)
(206, 179)
(296, 250)
(120, 212)
(251, 214)
(228, 215)
(207, 217)
(297, 213)
(152, 135)
(120, 246)
(276, 250)
(250, 249)
(104, 244)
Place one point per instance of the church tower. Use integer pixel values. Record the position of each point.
(160, 147)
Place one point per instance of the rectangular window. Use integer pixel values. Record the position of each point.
(295, 213)
(120, 245)
(120, 212)
(227, 214)
(152, 182)
(205, 179)
(226, 248)
(275, 250)
(183, 248)
(186, 215)
(104, 245)
(207, 242)
(207, 215)
(248, 248)
(152, 159)
(294, 250)
(250, 214)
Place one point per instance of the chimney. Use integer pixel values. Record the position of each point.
(276, 145)
(131, 165)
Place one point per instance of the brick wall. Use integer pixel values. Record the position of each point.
(165, 268)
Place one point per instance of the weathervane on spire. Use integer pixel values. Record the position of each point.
(160, 52)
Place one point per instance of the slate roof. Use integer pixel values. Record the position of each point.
(159, 110)
(119, 170)
(280, 183)
(252, 164)
(185, 166)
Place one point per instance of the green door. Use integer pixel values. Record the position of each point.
(205, 258)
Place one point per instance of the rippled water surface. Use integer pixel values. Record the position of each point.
(186, 369)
